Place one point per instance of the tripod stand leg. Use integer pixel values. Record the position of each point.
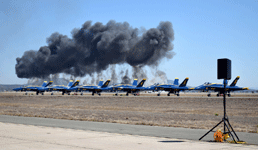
(232, 130)
(230, 133)
(211, 129)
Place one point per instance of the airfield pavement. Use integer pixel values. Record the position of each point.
(23, 136)
(190, 113)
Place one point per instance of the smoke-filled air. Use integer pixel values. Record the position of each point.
(94, 48)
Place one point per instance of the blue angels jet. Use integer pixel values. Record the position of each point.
(41, 89)
(38, 89)
(133, 89)
(173, 88)
(153, 87)
(96, 89)
(218, 87)
(72, 86)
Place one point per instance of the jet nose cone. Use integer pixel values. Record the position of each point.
(16, 89)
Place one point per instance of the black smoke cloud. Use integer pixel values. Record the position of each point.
(93, 48)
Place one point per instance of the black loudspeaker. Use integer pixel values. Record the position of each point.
(224, 69)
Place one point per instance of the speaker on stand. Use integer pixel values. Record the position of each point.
(224, 72)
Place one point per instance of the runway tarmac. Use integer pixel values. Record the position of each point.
(17, 136)
(141, 130)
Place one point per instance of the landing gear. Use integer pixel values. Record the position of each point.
(26, 93)
(92, 94)
(168, 94)
(63, 93)
(177, 94)
(37, 93)
(68, 93)
(116, 94)
(209, 95)
(134, 94)
(42, 93)
(52, 93)
(99, 94)
(229, 95)
(81, 93)
(126, 94)
(217, 95)
(158, 94)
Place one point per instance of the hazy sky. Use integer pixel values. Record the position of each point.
(204, 32)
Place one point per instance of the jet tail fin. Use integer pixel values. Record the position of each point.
(105, 84)
(184, 82)
(70, 83)
(135, 82)
(235, 81)
(100, 83)
(49, 83)
(176, 81)
(44, 84)
(141, 83)
(76, 83)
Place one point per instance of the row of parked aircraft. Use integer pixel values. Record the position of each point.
(135, 88)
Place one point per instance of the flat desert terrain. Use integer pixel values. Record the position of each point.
(189, 110)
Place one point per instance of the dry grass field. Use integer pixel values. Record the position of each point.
(194, 110)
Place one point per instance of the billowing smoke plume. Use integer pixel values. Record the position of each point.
(160, 77)
(139, 73)
(125, 78)
(113, 75)
(55, 78)
(93, 48)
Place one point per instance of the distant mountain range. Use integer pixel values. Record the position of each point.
(9, 87)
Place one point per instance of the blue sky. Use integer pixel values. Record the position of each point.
(204, 32)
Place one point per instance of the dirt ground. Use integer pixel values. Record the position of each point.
(189, 110)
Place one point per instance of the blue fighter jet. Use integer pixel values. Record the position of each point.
(72, 86)
(41, 89)
(133, 89)
(153, 87)
(96, 89)
(38, 89)
(173, 88)
(218, 87)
